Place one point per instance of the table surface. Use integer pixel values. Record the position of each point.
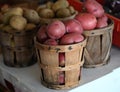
(28, 79)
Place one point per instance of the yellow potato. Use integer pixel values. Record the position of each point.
(18, 22)
(1, 26)
(46, 13)
(32, 16)
(63, 12)
(30, 26)
(10, 13)
(60, 4)
(40, 7)
(7, 28)
(71, 9)
(49, 5)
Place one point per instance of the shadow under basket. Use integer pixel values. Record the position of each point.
(56, 75)
(19, 57)
(97, 50)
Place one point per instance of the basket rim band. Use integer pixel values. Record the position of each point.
(66, 68)
(101, 31)
(60, 48)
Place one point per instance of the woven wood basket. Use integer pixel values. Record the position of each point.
(99, 41)
(52, 72)
(18, 47)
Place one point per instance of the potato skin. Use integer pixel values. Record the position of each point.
(93, 7)
(12, 11)
(63, 12)
(101, 22)
(7, 28)
(31, 15)
(71, 38)
(41, 34)
(71, 9)
(51, 42)
(87, 20)
(56, 29)
(30, 26)
(60, 4)
(18, 22)
(46, 13)
(49, 4)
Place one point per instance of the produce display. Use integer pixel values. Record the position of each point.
(56, 32)
(70, 31)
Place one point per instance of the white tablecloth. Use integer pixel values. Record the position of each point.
(92, 79)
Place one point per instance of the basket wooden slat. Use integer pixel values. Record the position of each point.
(71, 76)
(19, 57)
(99, 41)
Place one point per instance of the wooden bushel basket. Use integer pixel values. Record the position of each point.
(48, 57)
(99, 41)
(18, 47)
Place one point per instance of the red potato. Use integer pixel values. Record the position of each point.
(62, 59)
(61, 78)
(41, 34)
(51, 42)
(73, 25)
(87, 20)
(56, 29)
(101, 23)
(104, 18)
(93, 7)
(71, 38)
